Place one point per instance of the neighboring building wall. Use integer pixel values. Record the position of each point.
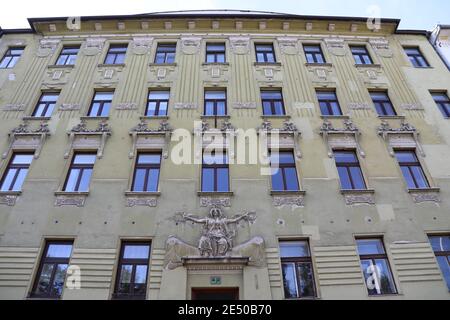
(325, 219)
(440, 38)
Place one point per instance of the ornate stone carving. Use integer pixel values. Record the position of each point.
(22, 137)
(70, 107)
(381, 47)
(348, 136)
(403, 137)
(82, 137)
(206, 201)
(9, 200)
(240, 45)
(126, 106)
(425, 196)
(141, 201)
(267, 133)
(141, 45)
(336, 46)
(359, 198)
(142, 130)
(47, 47)
(93, 46)
(185, 106)
(288, 45)
(190, 45)
(70, 200)
(289, 201)
(14, 107)
(244, 105)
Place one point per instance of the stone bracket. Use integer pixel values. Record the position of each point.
(137, 136)
(404, 137)
(92, 140)
(26, 140)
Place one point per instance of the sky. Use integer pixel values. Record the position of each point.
(415, 14)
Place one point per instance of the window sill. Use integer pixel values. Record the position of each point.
(218, 194)
(224, 64)
(65, 66)
(143, 194)
(76, 199)
(286, 117)
(357, 191)
(118, 65)
(309, 64)
(30, 118)
(368, 66)
(163, 64)
(359, 197)
(66, 193)
(267, 64)
(10, 193)
(426, 68)
(427, 190)
(287, 193)
(215, 117)
(391, 117)
(94, 118)
(154, 117)
(335, 117)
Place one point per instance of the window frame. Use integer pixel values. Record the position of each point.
(216, 53)
(20, 167)
(47, 103)
(215, 102)
(361, 56)
(328, 103)
(417, 163)
(411, 57)
(82, 167)
(123, 46)
(441, 104)
(147, 168)
(102, 104)
(216, 167)
(282, 167)
(158, 103)
(295, 261)
(372, 258)
(314, 54)
(134, 263)
(8, 54)
(383, 102)
(440, 253)
(265, 53)
(162, 45)
(55, 261)
(348, 165)
(272, 102)
(67, 56)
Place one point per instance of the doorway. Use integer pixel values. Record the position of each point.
(215, 294)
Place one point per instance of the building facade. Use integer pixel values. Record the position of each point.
(109, 189)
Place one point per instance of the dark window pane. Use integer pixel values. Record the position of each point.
(344, 178)
(140, 276)
(357, 178)
(419, 176)
(136, 252)
(267, 108)
(153, 178)
(84, 159)
(149, 159)
(85, 180)
(139, 180)
(291, 179)
(444, 264)
(43, 284)
(406, 157)
(440, 243)
(277, 179)
(408, 178)
(289, 281)
(151, 108)
(58, 282)
(306, 279)
(345, 157)
(370, 246)
(282, 158)
(8, 179)
(208, 180)
(336, 109)
(294, 249)
(125, 278)
(20, 180)
(222, 180)
(72, 180)
(378, 277)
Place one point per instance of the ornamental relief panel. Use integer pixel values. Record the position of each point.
(190, 45)
(106, 76)
(240, 45)
(47, 47)
(323, 75)
(215, 73)
(381, 47)
(55, 77)
(336, 46)
(288, 45)
(373, 77)
(269, 75)
(162, 74)
(141, 45)
(93, 46)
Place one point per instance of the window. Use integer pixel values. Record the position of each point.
(361, 55)
(329, 104)
(349, 170)
(101, 104)
(132, 271)
(441, 248)
(165, 53)
(116, 54)
(272, 102)
(215, 172)
(51, 274)
(298, 274)
(375, 267)
(383, 104)
(284, 172)
(265, 53)
(157, 103)
(11, 57)
(68, 56)
(412, 169)
(215, 103)
(314, 54)
(16, 172)
(215, 52)
(146, 173)
(80, 172)
(443, 102)
(416, 57)
(46, 104)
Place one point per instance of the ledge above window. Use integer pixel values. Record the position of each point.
(30, 118)
(425, 195)
(365, 196)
